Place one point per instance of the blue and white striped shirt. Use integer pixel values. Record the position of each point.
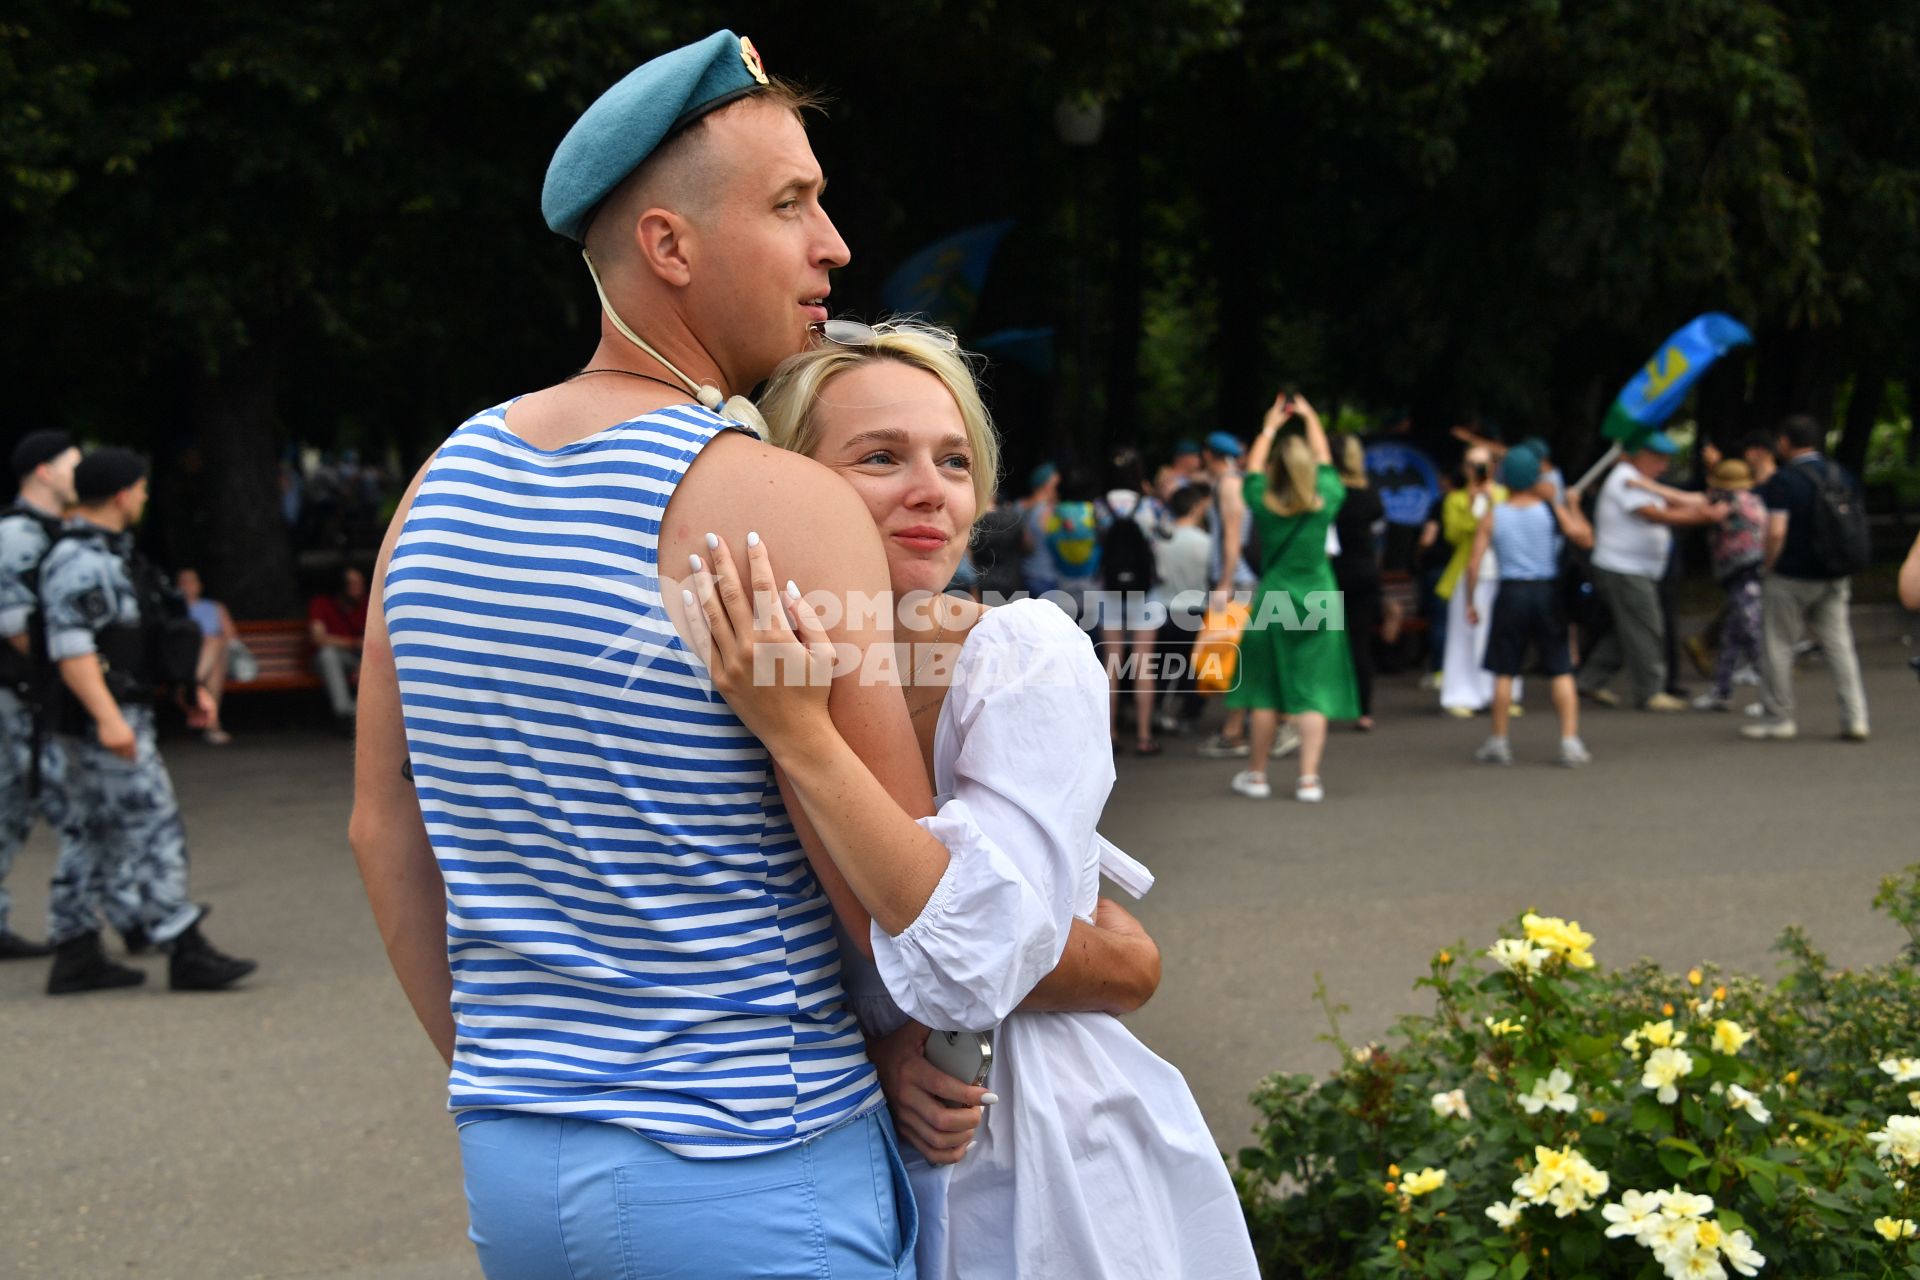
(634, 933)
(1526, 541)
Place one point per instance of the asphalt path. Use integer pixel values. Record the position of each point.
(295, 1128)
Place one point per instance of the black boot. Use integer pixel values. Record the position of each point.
(194, 965)
(15, 947)
(136, 940)
(80, 965)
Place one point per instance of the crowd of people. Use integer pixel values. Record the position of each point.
(1519, 574)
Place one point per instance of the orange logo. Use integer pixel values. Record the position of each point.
(751, 56)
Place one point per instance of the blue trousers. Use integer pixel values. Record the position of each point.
(557, 1199)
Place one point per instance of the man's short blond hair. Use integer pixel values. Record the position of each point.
(791, 400)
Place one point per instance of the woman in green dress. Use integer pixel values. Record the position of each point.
(1294, 659)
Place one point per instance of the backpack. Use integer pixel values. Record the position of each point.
(1073, 539)
(1842, 542)
(1126, 557)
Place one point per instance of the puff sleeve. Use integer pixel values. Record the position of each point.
(1029, 780)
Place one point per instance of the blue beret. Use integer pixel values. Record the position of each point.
(1520, 469)
(628, 122)
(1183, 447)
(1225, 444)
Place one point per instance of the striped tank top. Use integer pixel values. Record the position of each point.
(634, 933)
(1526, 539)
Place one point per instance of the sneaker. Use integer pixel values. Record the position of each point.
(1309, 791)
(1572, 754)
(1494, 751)
(1854, 733)
(194, 964)
(1746, 675)
(1285, 743)
(1167, 722)
(1601, 697)
(80, 965)
(1221, 747)
(1663, 702)
(15, 947)
(1252, 785)
(1459, 713)
(1711, 701)
(1755, 710)
(1770, 731)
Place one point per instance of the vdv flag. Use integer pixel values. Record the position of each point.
(1652, 395)
(942, 281)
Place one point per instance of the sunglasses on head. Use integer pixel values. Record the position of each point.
(857, 333)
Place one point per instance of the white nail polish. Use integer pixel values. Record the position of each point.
(713, 542)
(686, 598)
(792, 590)
(695, 562)
(989, 1099)
(753, 539)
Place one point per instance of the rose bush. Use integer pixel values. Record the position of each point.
(1556, 1119)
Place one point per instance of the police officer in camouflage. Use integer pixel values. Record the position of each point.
(43, 462)
(114, 630)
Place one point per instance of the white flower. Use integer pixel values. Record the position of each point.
(1684, 1205)
(1452, 1104)
(1903, 1070)
(1673, 1239)
(1634, 1216)
(1898, 1142)
(1701, 1264)
(1665, 1068)
(1740, 1100)
(1740, 1254)
(1363, 1054)
(1505, 1214)
(1549, 1094)
(1516, 955)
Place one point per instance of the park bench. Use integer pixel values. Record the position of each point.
(284, 651)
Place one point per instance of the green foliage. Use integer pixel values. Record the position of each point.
(1779, 1112)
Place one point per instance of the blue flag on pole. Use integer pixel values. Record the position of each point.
(942, 282)
(1653, 394)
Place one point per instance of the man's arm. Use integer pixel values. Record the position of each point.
(87, 682)
(1776, 537)
(820, 535)
(1681, 516)
(389, 837)
(1910, 578)
(1233, 507)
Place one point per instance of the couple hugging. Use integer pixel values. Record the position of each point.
(680, 917)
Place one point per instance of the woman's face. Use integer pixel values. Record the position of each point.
(897, 437)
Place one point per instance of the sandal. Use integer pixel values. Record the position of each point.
(1147, 747)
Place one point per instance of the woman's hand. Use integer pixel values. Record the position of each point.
(1277, 414)
(937, 1114)
(777, 682)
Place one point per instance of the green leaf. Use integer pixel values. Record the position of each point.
(1518, 1268)
(1482, 1270)
(1648, 1114)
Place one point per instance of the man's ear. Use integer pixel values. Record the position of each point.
(662, 236)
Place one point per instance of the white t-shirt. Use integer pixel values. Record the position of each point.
(1622, 541)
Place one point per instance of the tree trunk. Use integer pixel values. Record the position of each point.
(1868, 397)
(246, 552)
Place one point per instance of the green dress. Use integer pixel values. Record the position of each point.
(1293, 654)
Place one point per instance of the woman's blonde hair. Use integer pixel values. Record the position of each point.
(1292, 473)
(792, 398)
(1352, 457)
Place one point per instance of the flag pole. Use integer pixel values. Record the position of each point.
(1607, 459)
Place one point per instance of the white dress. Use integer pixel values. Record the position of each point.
(1464, 679)
(1096, 1161)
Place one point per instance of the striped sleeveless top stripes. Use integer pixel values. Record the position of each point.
(634, 933)
(1526, 541)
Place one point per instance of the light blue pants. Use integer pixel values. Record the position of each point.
(557, 1199)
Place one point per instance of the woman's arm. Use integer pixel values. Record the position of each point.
(1481, 538)
(778, 684)
(1910, 578)
(1277, 414)
(1316, 434)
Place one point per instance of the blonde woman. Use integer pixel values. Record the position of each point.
(1293, 654)
(1092, 1158)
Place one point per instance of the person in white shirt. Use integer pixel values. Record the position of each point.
(1182, 560)
(1633, 535)
(1092, 1159)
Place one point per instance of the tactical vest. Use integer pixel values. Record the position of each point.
(27, 673)
(161, 650)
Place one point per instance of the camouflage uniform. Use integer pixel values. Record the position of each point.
(123, 846)
(23, 542)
